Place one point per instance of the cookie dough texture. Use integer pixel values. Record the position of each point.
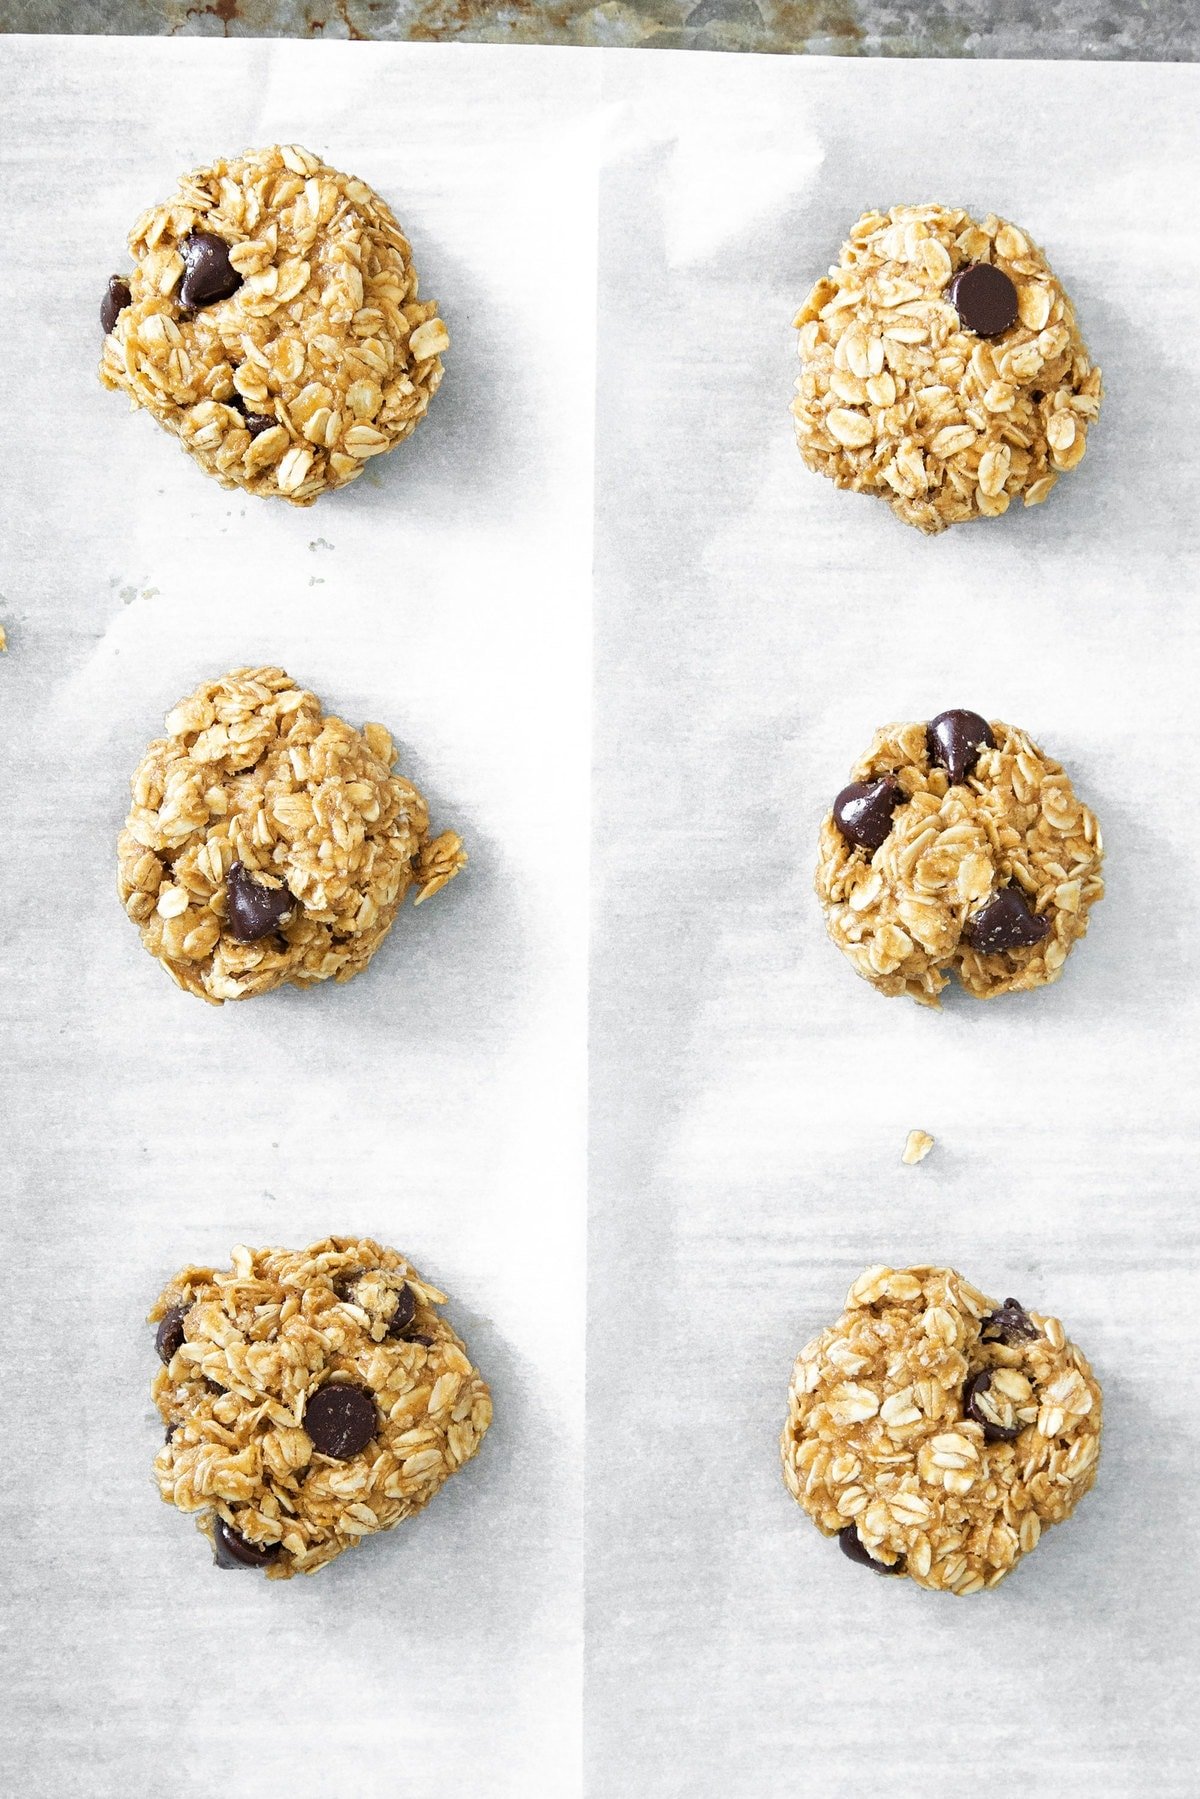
(896, 398)
(252, 771)
(899, 915)
(877, 1439)
(324, 349)
(256, 1341)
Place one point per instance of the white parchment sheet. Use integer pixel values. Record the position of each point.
(437, 1102)
(618, 242)
(750, 1097)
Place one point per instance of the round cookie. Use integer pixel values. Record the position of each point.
(958, 845)
(937, 1434)
(311, 1398)
(271, 321)
(942, 368)
(268, 843)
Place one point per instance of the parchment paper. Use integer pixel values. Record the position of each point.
(437, 1102)
(749, 1098)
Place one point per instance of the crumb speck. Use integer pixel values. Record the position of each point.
(917, 1146)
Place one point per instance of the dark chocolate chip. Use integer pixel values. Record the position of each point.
(208, 274)
(254, 911)
(406, 1311)
(984, 298)
(863, 811)
(256, 422)
(341, 1420)
(425, 1342)
(953, 741)
(169, 1334)
(851, 1544)
(214, 1386)
(171, 1429)
(1004, 922)
(992, 1432)
(232, 1550)
(116, 298)
(1012, 1322)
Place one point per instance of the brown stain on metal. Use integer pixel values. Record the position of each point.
(526, 19)
(785, 24)
(794, 23)
(225, 10)
(352, 31)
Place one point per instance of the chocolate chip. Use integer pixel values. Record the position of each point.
(169, 1334)
(406, 1311)
(116, 298)
(254, 910)
(171, 1429)
(425, 1342)
(1012, 1322)
(208, 274)
(953, 741)
(341, 1420)
(984, 298)
(851, 1544)
(1004, 922)
(256, 422)
(232, 1550)
(863, 811)
(992, 1432)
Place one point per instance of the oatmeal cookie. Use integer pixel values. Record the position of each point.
(271, 321)
(942, 368)
(268, 843)
(311, 1398)
(935, 1433)
(957, 845)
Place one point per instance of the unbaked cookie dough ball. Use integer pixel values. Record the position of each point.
(311, 1398)
(942, 368)
(958, 846)
(268, 843)
(271, 321)
(937, 1434)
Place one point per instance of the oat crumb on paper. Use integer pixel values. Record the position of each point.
(272, 322)
(917, 1146)
(936, 1433)
(268, 842)
(311, 1398)
(918, 393)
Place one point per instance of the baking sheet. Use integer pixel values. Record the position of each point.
(437, 1102)
(641, 229)
(750, 1096)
